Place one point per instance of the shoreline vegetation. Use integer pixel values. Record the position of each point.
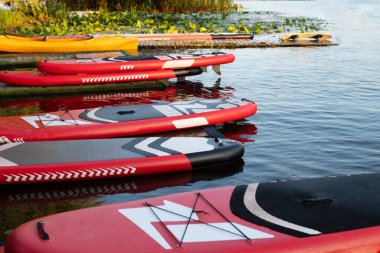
(68, 17)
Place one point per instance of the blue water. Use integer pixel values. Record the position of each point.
(319, 108)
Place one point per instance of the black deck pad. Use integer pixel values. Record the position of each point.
(200, 151)
(159, 109)
(310, 207)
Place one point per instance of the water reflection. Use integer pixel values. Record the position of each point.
(176, 91)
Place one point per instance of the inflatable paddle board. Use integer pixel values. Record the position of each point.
(118, 121)
(57, 192)
(29, 78)
(190, 36)
(134, 63)
(17, 45)
(140, 37)
(312, 215)
(104, 158)
(300, 36)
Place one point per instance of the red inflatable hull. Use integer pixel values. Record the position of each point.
(69, 125)
(109, 158)
(200, 222)
(23, 78)
(123, 64)
(190, 36)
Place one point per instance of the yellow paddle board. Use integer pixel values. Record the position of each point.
(17, 45)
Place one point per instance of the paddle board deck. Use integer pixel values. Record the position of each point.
(134, 63)
(29, 78)
(118, 121)
(311, 215)
(105, 158)
(300, 36)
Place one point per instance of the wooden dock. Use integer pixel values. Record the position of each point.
(259, 42)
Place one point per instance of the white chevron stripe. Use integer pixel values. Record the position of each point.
(53, 175)
(119, 171)
(31, 177)
(184, 145)
(113, 171)
(8, 145)
(47, 176)
(105, 172)
(84, 173)
(9, 178)
(167, 110)
(133, 169)
(61, 175)
(98, 173)
(23, 177)
(101, 172)
(4, 139)
(126, 170)
(91, 173)
(91, 115)
(4, 162)
(16, 177)
(68, 174)
(144, 146)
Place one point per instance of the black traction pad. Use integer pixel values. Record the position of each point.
(200, 151)
(327, 205)
(151, 111)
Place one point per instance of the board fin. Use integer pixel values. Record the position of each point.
(216, 69)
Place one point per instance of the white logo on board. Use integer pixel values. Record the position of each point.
(143, 217)
(52, 120)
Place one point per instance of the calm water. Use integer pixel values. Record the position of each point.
(319, 114)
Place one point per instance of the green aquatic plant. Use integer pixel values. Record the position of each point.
(62, 22)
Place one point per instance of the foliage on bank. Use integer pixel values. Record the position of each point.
(55, 19)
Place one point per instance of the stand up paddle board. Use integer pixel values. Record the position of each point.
(60, 191)
(134, 63)
(118, 121)
(37, 162)
(300, 36)
(312, 215)
(189, 36)
(17, 45)
(29, 78)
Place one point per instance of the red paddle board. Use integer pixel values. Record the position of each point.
(312, 215)
(37, 162)
(190, 36)
(130, 63)
(118, 121)
(57, 192)
(29, 78)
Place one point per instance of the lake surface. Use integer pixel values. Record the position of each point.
(319, 114)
